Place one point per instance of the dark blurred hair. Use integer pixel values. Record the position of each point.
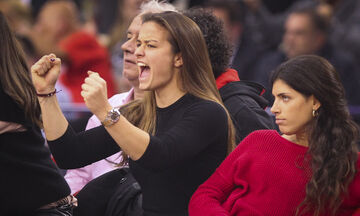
(215, 38)
(319, 22)
(235, 10)
(27, 45)
(15, 75)
(332, 133)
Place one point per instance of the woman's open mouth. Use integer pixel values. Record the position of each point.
(144, 70)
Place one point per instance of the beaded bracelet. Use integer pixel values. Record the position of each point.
(49, 94)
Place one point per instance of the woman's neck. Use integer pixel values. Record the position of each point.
(169, 93)
(138, 94)
(166, 98)
(300, 139)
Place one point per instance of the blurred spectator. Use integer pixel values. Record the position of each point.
(245, 49)
(344, 16)
(58, 30)
(36, 5)
(18, 16)
(306, 32)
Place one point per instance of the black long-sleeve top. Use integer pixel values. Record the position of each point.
(189, 143)
(29, 178)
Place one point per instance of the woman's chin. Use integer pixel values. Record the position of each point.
(144, 87)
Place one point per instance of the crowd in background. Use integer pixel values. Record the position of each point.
(259, 36)
(263, 34)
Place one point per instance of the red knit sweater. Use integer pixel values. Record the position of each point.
(264, 175)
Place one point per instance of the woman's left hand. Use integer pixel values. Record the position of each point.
(94, 92)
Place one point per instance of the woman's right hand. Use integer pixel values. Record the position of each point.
(45, 73)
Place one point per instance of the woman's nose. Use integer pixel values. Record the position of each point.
(139, 51)
(274, 109)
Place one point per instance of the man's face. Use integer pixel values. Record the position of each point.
(48, 22)
(300, 36)
(130, 71)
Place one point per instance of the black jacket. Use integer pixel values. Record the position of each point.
(246, 107)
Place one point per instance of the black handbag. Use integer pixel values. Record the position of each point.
(63, 210)
(115, 193)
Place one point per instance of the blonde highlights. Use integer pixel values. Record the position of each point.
(196, 73)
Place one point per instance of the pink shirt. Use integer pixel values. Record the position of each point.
(78, 178)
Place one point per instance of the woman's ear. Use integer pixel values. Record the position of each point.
(316, 103)
(178, 61)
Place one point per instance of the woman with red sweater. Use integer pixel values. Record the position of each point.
(309, 169)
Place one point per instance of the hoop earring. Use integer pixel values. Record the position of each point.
(314, 113)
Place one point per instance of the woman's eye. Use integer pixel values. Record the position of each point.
(150, 46)
(285, 98)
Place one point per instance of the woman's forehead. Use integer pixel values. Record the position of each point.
(152, 30)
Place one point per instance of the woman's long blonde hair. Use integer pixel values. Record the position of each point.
(196, 73)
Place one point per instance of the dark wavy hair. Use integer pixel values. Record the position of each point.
(216, 40)
(333, 135)
(15, 75)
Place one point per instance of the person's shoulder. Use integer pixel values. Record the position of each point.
(263, 135)
(256, 139)
(206, 109)
(207, 105)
